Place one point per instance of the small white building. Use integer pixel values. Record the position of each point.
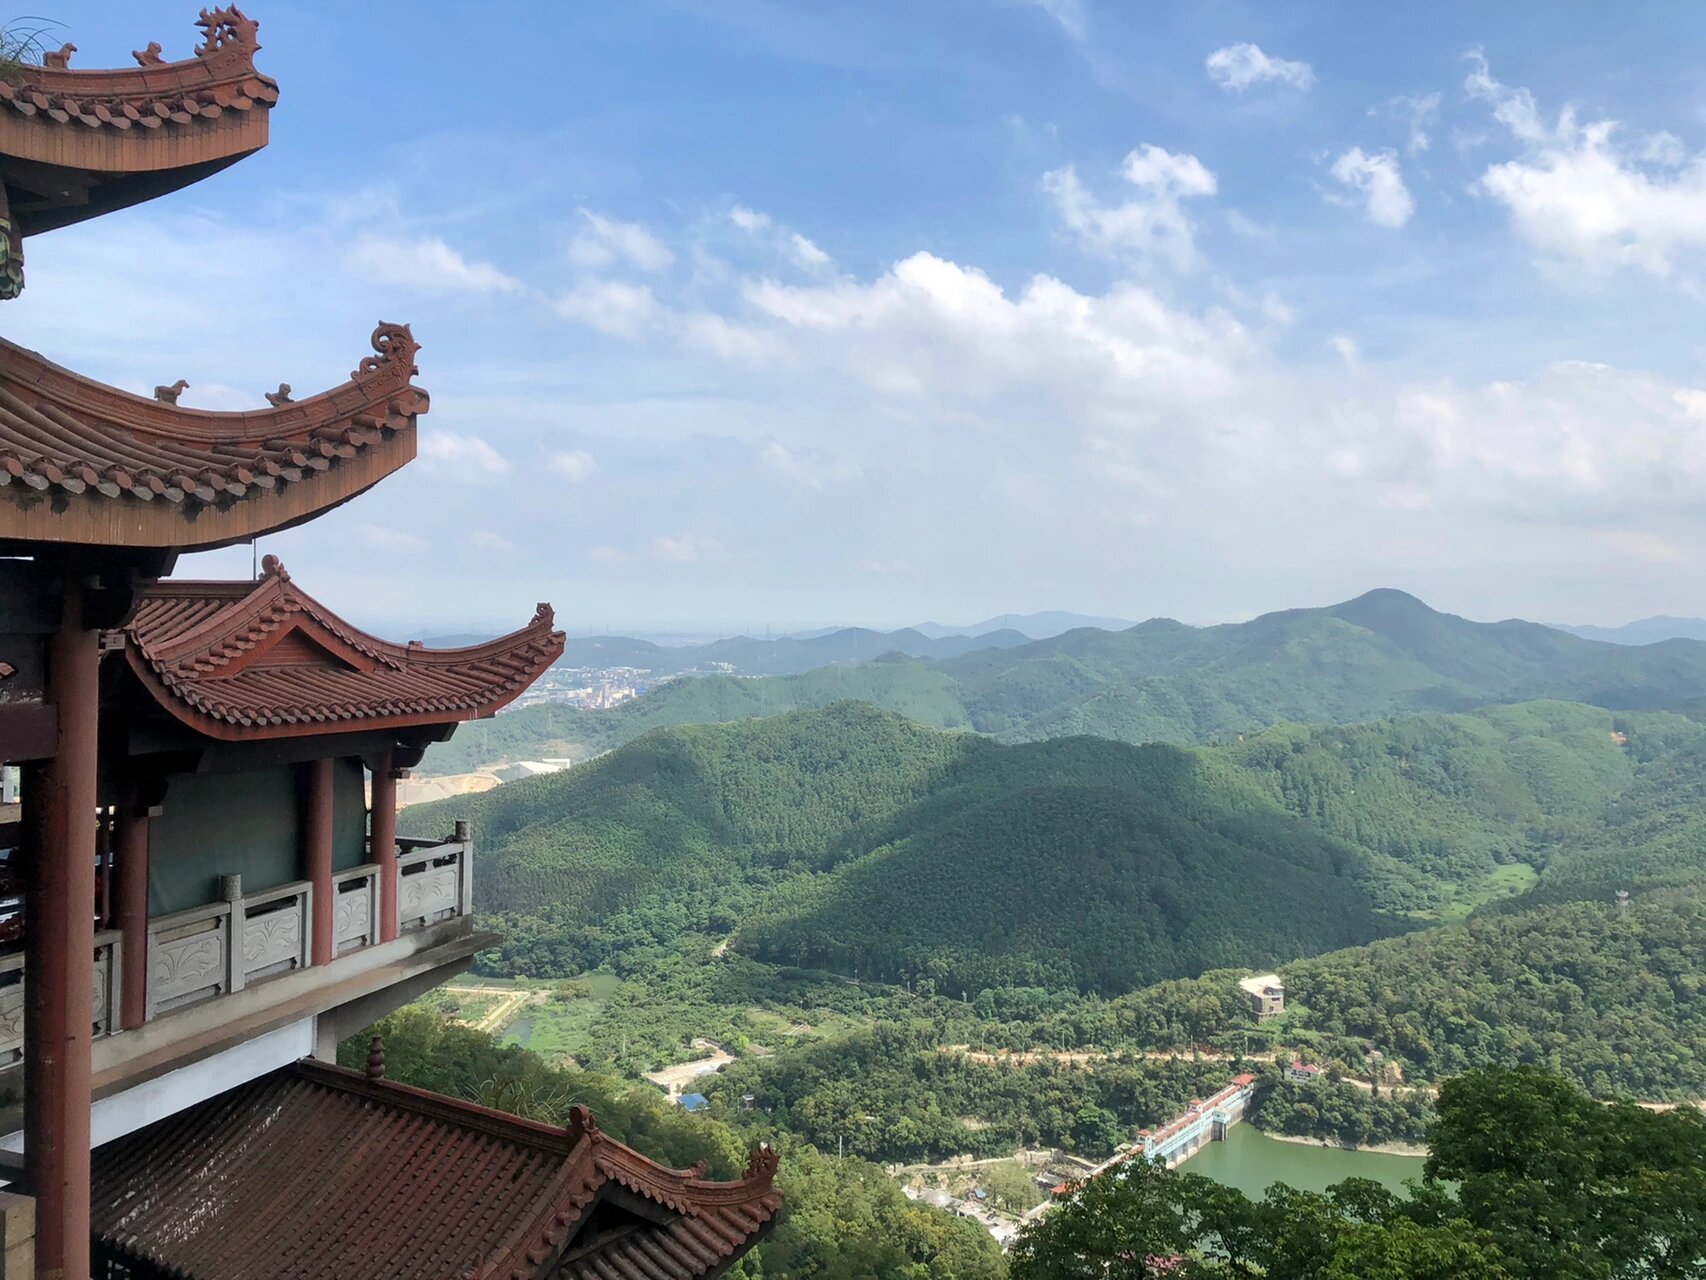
(1267, 995)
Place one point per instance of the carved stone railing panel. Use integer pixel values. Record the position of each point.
(433, 882)
(429, 895)
(273, 940)
(105, 996)
(107, 985)
(11, 1009)
(189, 962)
(355, 910)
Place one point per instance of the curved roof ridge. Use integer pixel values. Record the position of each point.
(218, 76)
(204, 651)
(151, 473)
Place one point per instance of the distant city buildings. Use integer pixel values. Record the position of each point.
(590, 688)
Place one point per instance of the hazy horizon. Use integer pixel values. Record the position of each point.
(738, 315)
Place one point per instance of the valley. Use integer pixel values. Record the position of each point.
(938, 950)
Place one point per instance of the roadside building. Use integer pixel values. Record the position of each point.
(1301, 1072)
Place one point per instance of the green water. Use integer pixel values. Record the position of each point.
(1252, 1162)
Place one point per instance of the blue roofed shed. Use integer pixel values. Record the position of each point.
(695, 1101)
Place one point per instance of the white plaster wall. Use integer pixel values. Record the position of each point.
(168, 1094)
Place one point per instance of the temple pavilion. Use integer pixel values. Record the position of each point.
(203, 890)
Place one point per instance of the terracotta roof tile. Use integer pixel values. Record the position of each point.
(129, 461)
(155, 96)
(265, 659)
(314, 1172)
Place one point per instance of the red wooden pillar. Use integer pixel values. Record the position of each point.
(59, 953)
(317, 855)
(132, 852)
(382, 841)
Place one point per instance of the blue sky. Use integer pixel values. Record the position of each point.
(760, 314)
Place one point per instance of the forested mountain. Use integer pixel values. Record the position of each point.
(1078, 863)
(1383, 654)
(854, 840)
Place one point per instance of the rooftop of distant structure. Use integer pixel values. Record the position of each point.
(422, 1186)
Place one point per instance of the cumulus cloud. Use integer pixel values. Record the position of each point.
(428, 264)
(1153, 225)
(574, 465)
(748, 219)
(469, 456)
(1587, 194)
(930, 326)
(807, 254)
(615, 307)
(604, 242)
(1386, 201)
(486, 540)
(1238, 66)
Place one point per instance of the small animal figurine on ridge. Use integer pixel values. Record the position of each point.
(149, 57)
(281, 396)
(61, 57)
(169, 395)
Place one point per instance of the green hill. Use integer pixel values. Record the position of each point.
(1079, 863)
(855, 840)
(1384, 654)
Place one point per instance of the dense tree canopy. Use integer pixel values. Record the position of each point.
(1529, 1179)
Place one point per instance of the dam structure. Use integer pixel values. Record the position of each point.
(1203, 1122)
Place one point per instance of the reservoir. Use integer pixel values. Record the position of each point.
(1252, 1162)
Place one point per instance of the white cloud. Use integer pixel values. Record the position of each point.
(807, 254)
(1577, 437)
(382, 538)
(1154, 225)
(1580, 195)
(1346, 349)
(605, 241)
(427, 264)
(1069, 14)
(748, 219)
(575, 465)
(1386, 200)
(685, 548)
(611, 306)
(1238, 66)
(1418, 112)
(486, 540)
(605, 554)
(808, 468)
(468, 456)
